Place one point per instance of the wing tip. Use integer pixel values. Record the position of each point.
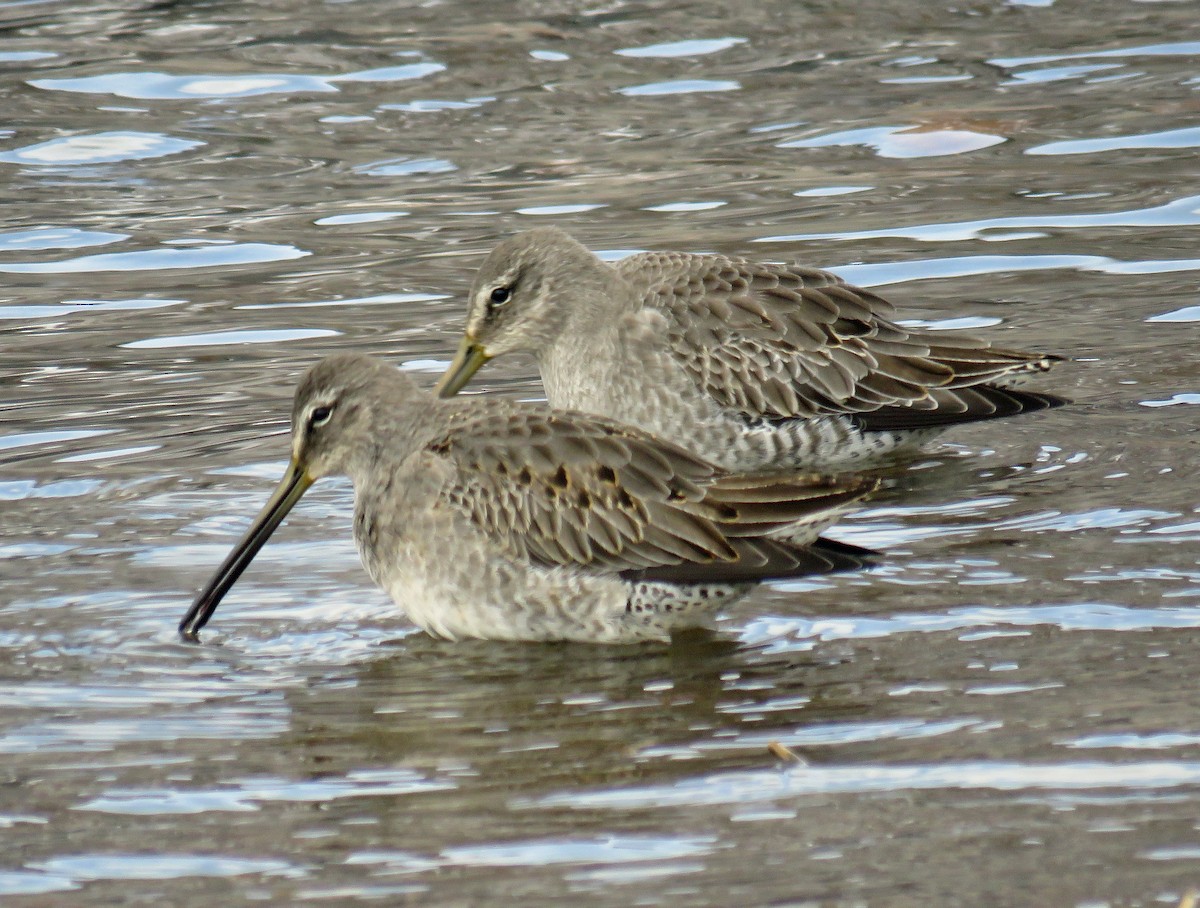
(979, 404)
(775, 560)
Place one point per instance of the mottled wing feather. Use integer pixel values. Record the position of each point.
(781, 341)
(567, 488)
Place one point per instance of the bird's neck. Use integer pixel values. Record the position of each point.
(397, 429)
(589, 342)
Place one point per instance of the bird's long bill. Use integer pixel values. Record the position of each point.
(295, 483)
(467, 360)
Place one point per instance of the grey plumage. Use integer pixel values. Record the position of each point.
(488, 518)
(753, 366)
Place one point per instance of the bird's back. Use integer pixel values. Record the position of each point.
(781, 342)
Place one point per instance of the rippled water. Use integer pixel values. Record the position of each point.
(201, 198)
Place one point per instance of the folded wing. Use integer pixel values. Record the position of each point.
(573, 489)
(781, 342)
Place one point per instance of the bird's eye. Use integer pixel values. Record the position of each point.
(319, 416)
(500, 296)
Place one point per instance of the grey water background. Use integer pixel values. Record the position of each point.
(200, 199)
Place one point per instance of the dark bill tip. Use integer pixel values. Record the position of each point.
(467, 360)
(294, 484)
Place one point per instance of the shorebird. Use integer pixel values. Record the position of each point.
(491, 519)
(750, 366)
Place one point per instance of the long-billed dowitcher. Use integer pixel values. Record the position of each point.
(487, 518)
(751, 366)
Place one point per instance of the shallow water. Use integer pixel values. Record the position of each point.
(203, 198)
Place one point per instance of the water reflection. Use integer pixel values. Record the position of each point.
(1183, 212)
(98, 148)
(156, 85)
(1171, 138)
(742, 788)
(902, 141)
(203, 255)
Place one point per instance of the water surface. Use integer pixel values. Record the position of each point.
(204, 198)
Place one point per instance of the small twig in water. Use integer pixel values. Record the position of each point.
(783, 752)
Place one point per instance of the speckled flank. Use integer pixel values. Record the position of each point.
(661, 399)
(474, 589)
